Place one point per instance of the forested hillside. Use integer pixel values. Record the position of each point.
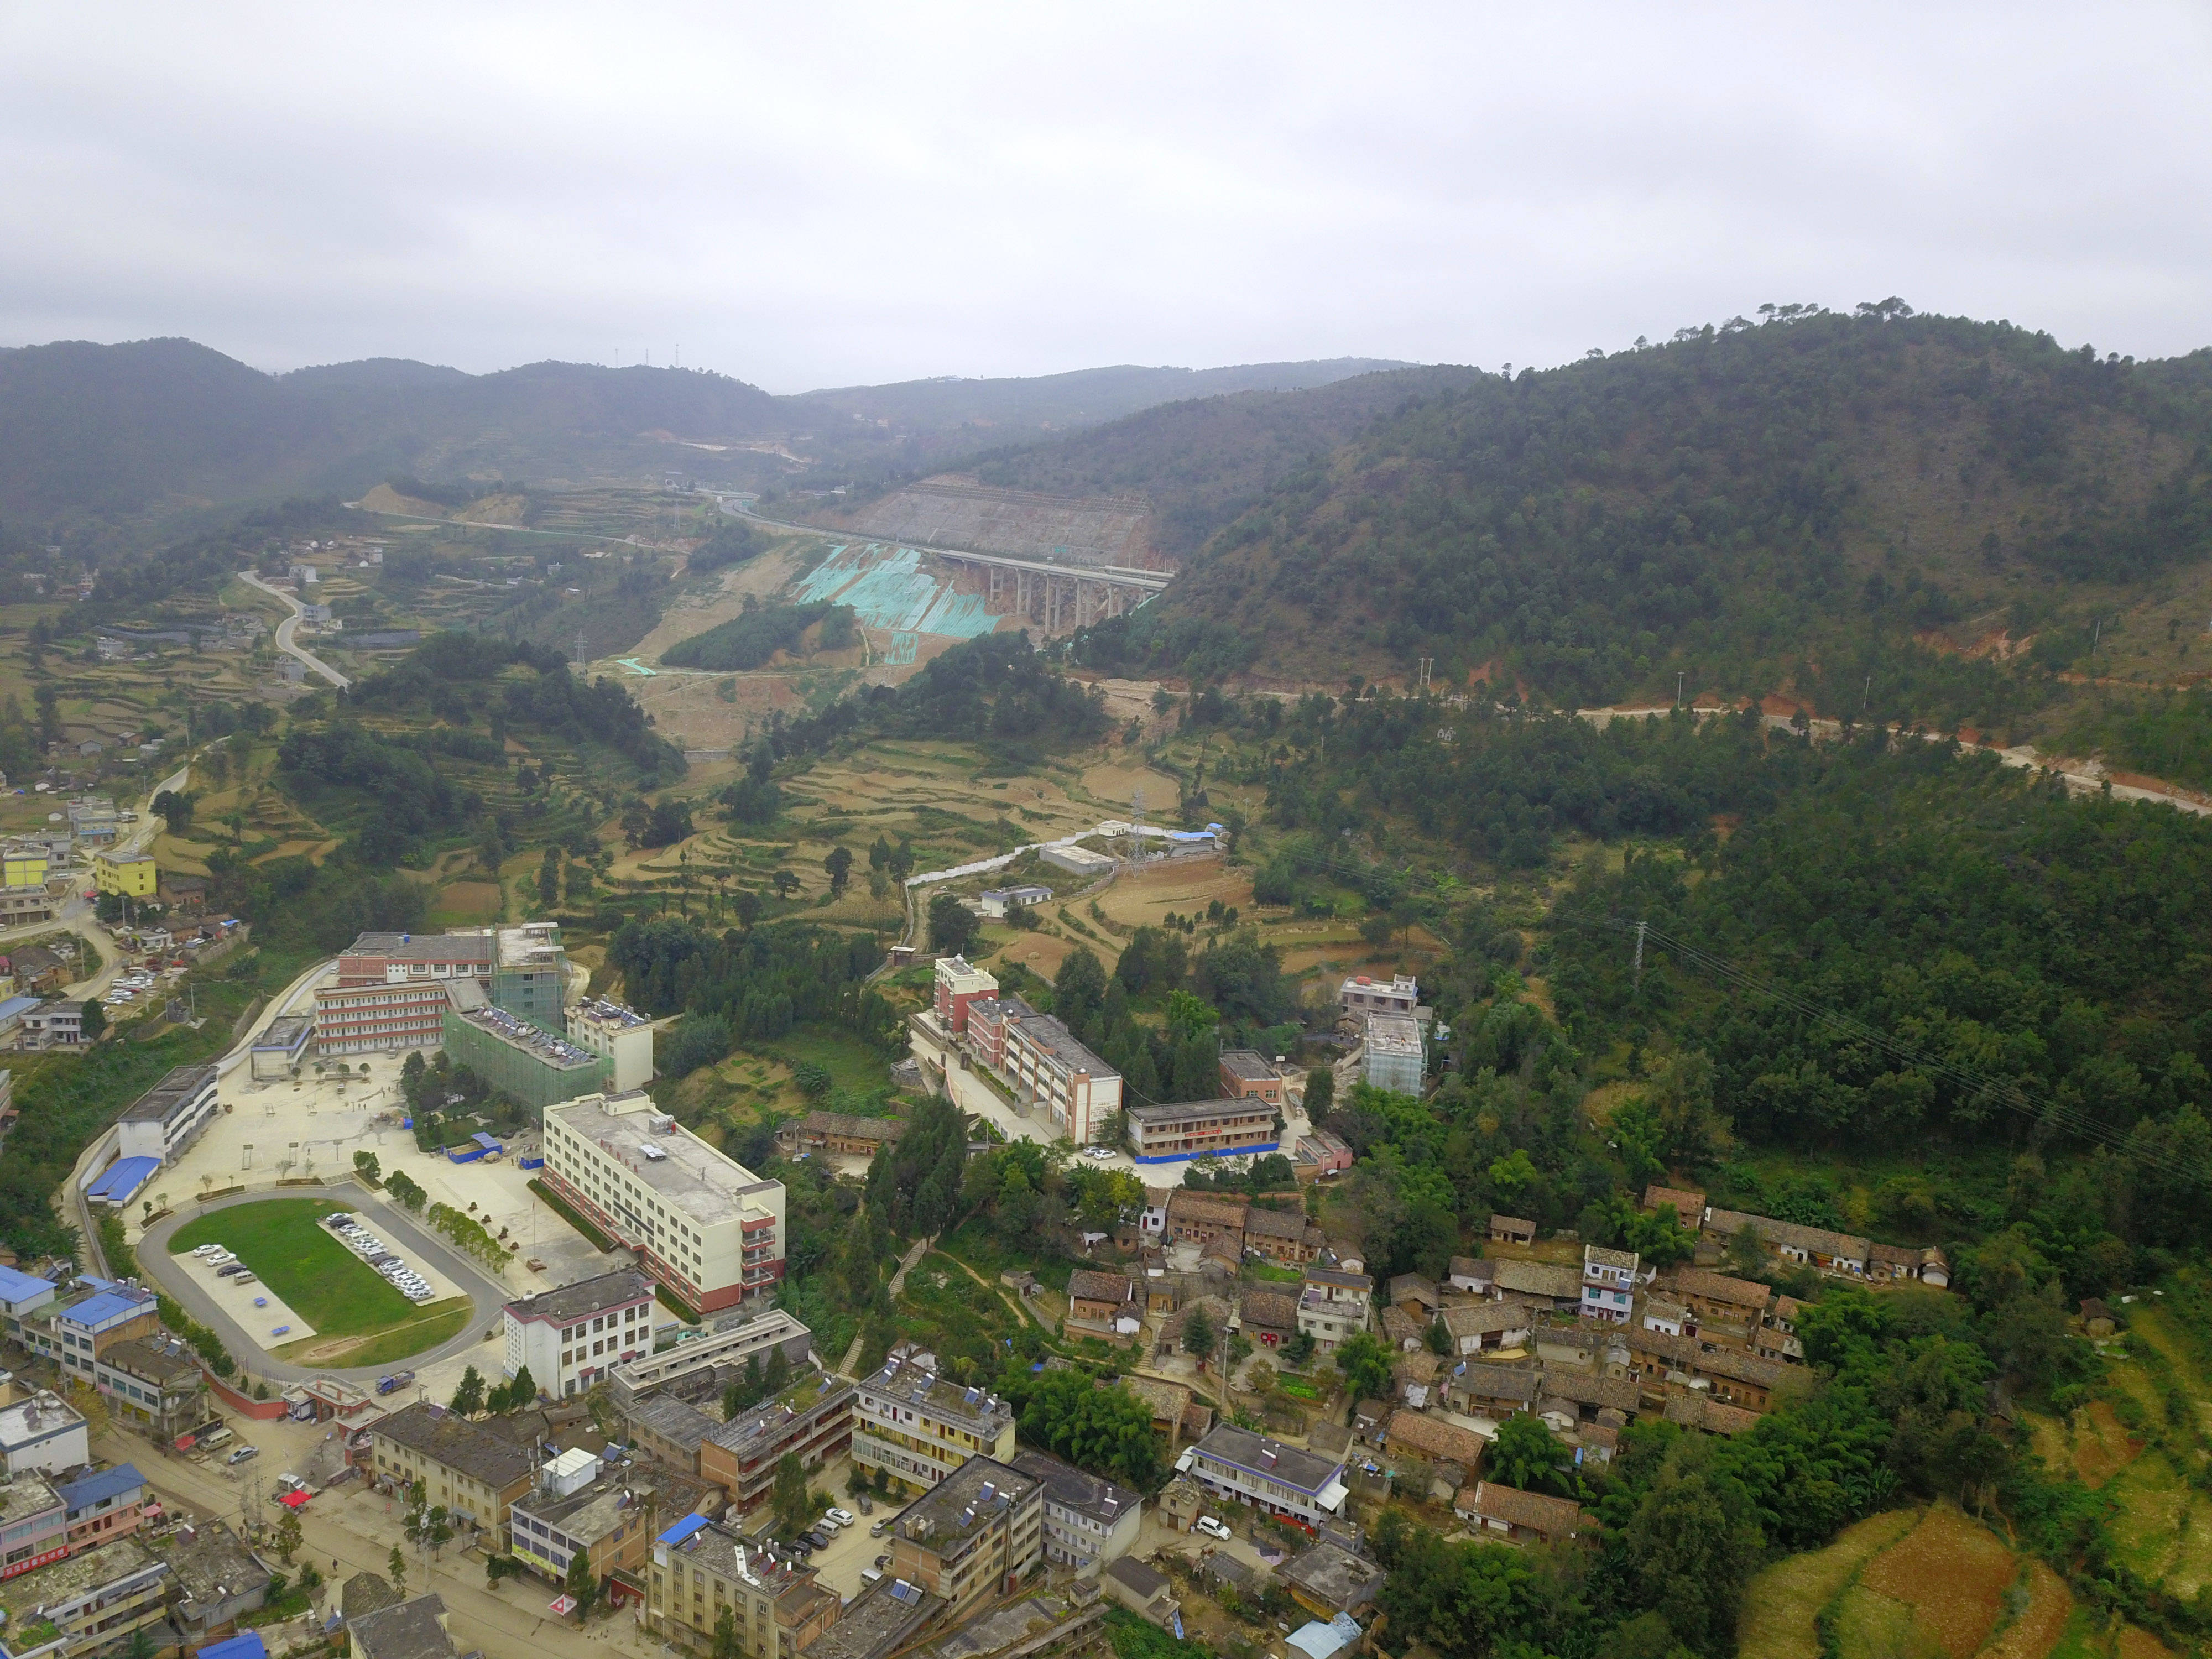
(1205, 461)
(1749, 504)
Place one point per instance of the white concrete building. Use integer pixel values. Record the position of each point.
(1609, 1284)
(621, 1035)
(169, 1116)
(45, 1432)
(1334, 1305)
(1250, 1468)
(1050, 1069)
(703, 1225)
(1088, 1522)
(1364, 994)
(570, 1338)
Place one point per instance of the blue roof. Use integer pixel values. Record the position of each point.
(123, 1178)
(247, 1646)
(15, 1286)
(682, 1530)
(107, 1304)
(16, 1007)
(487, 1142)
(107, 1483)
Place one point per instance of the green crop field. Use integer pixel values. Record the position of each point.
(283, 1241)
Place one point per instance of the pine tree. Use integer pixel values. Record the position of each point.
(469, 1397)
(582, 1582)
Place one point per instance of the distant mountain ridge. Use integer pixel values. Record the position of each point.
(1081, 398)
(150, 428)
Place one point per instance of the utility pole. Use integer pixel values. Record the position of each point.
(1866, 696)
(1677, 687)
(1640, 926)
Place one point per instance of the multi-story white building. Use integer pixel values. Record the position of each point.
(1333, 1305)
(75, 1334)
(1075, 1090)
(1281, 1479)
(919, 1429)
(169, 1116)
(1364, 994)
(44, 1432)
(617, 1034)
(734, 1340)
(570, 1337)
(703, 1225)
(1088, 1521)
(1609, 1284)
(570, 1509)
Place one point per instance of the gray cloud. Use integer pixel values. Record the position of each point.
(822, 194)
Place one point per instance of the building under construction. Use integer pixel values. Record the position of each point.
(537, 1068)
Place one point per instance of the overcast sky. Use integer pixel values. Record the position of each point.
(813, 194)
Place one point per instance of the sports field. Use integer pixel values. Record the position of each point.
(283, 1241)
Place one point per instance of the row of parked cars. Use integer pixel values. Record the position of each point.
(226, 1265)
(370, 1248)
(128, 987)
(826, 1525)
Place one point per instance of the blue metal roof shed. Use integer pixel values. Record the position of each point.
(104, 1484)
(18, 1286)
(119, 1182)
(682, 1530)
(107, 1304)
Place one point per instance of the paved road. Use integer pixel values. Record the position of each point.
(76, 913)
(409, 1237)
(898, 1282)
(289, 626)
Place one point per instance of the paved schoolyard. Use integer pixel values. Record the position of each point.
(314, 1126)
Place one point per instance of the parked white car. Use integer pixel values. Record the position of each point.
(1211, 1527)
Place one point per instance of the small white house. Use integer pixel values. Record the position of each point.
(999, 900)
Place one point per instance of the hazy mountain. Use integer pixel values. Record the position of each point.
(154, 427)
(1083, 398)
